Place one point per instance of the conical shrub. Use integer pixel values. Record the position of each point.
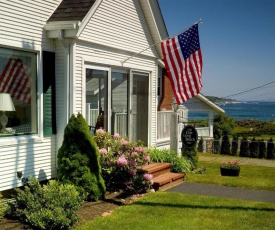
(78, 160)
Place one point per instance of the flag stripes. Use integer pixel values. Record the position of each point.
(16, 81)
(183, 63)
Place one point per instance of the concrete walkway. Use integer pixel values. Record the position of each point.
(229, 192)
(223, 191)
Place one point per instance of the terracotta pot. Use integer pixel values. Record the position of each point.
(230, 172)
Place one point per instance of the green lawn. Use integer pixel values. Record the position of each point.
(163, 210)
(167, 210)
(254, 177)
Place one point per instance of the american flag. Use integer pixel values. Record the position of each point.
(16, 81)
(183, 63)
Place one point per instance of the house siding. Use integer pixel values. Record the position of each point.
(22, 28)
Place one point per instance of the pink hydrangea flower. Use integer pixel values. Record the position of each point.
(103, 151)
(132, 172)
(100, 131)
(124, 142)
(132, 163)
(139, 149)
(133, 154)
(147, 158)
(116, 136)
(122, 161)
(148, 176)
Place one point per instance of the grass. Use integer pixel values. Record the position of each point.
(254, 177)
(167, 210)
(163, 210)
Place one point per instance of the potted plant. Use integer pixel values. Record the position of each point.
(230, 168)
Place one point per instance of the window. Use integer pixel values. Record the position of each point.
(18, 79)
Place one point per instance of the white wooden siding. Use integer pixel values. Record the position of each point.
(21, 24)
(120, 24)
(33, 158)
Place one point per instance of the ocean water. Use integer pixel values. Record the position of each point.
(263, 111)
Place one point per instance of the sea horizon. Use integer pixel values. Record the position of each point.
(243, 110)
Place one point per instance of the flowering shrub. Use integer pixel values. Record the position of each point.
(120, 159)
(230, 165)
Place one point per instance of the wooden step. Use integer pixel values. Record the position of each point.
(167, 180)
(156, 169)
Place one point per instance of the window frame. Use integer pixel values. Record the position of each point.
(29, 137)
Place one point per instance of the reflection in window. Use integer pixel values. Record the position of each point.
(18, 78)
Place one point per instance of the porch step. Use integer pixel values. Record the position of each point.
(162, 176)
(167, 180)
(156, 169)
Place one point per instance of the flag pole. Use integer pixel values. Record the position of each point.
(181, 31)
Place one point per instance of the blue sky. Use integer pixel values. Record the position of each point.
(237, 40)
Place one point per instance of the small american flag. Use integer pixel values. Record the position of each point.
(16, 81)
(183, 62)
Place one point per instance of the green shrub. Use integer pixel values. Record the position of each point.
(262, 149)
(178, 164)
(78, 160)
(120, 159)
(235, 142)
(52, 206)
(270, 150)
(190, 154)
(244, 148)
(217, 147)
(1, 207)
(254, 148)
(225, 148)
(200, 145)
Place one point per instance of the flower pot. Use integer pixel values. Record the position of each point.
(229, 172)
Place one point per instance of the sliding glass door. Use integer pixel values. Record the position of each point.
(117, 101)
(139, 102)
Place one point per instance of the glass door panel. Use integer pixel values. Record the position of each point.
(97, 98)
(139, 97)
(119, 103)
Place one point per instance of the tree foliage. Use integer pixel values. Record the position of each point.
(223, 125)
(78, 160)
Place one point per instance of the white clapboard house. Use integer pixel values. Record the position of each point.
(63, 57)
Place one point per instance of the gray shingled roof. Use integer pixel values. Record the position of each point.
(71, 10)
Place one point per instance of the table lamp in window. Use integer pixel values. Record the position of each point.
(6, 104)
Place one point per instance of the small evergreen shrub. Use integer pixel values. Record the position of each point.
(270, 150)
(262, 149)
(120, 159)
(190, 154)
(78, 160)
(254, 148)
(225, 147)
(200, 145)
(217, 146)
(235, 142)
(244, 148)
(52, 206)
(178, 164)
(2, 210)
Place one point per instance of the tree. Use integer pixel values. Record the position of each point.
(200, 145)
(223, 125)
(78, 160)
(225, 148)
(235, 142)
(254, 148)
(262, 149)
(270, 150)
(244, 148)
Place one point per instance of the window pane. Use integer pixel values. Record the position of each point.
(18, 78)
(119, 103)
(96, 98)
